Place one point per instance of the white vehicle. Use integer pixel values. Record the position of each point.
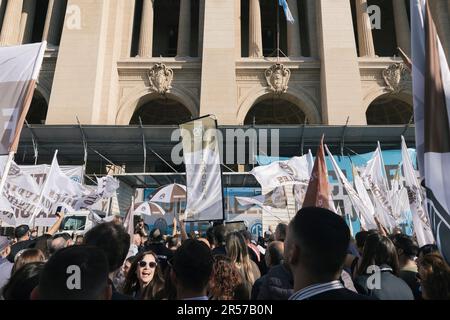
(76, 223)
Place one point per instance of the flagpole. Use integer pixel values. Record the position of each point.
(6, 171)
(41, 195)
(278, 33)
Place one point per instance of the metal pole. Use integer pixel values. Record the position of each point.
(83, 137)
(35, 144)
(144, 145)
(278, 32)
(162, 159)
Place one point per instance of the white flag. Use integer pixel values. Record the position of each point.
(283, 173)
(363, 210)
(20, 196)
(374, 177)
(421, 223)
(19, 70)
(362, 193)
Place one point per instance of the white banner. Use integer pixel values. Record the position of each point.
(203, 171)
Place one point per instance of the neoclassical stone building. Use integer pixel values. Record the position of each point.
(111, 62)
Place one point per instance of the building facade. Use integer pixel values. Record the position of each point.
(121, 62)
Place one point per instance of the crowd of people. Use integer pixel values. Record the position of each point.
(312, 258)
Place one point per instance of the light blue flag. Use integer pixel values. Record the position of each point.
(287, 11)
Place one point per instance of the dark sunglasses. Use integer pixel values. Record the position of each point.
(143, 264)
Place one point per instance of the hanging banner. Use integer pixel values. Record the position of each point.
(203, 171)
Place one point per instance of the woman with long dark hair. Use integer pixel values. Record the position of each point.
(377, 274)
(144, 280)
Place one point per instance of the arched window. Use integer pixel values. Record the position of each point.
(161, 112)
(37, 114)
(275, 111)
(387, 110)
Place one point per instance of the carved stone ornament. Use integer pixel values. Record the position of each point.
(161, 78)
(394, 76)
(277, 77)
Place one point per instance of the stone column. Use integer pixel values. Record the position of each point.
(218, 92)
(238, 28)
(402, 29)
(54, 22)
(366, 46)
(146, 35)
(293, 32)
(342, 94)
(184, 29)
(312, 27)
(27, 21)
(2, 11)
(11, 23)
(255, 47)
(201, 26)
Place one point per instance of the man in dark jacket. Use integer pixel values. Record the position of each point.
(390, 287)
(278, 283)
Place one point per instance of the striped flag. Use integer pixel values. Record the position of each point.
(431, 90)
(287, 11)
(19, 70)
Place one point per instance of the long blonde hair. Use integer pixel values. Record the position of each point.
(238, 253)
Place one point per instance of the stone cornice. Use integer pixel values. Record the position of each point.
(377, 63)
(135, 64)
(264, 63)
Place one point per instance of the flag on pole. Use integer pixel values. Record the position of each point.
(19, 70)
(374, 176)
(364, 212)
(421, 222)
(318, 192)
(287, 11)
(431, 91)
(363, 194)
(294, 171)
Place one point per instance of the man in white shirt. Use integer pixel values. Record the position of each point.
(316, 244)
